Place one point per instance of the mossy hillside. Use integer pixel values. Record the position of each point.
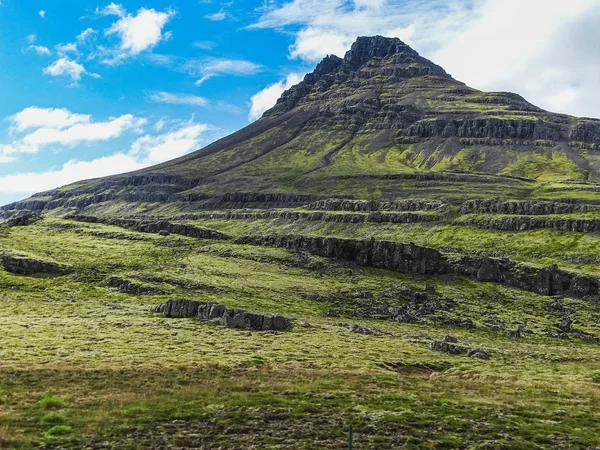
(570, 250)
(107, 365)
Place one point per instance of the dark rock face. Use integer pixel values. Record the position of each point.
(179, 309)
(247, 200)
(406, 258)
(27, 266)
(24, 220)
(368, 57)
(230, 318)
(524, 223)
(335, 204)
(541, 280)
(486, 128)
(524, 207)
(129, 287)
(410, 258)
(373, 217)
(237, 318)
(154, 226)
(585, 132)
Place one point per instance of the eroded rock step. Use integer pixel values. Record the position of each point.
(154, 226)
(524, 223)
(400, 257)
(21, 265)
(453, 177)
(338, 204)
(526, 207)
(374, 217)
(410, 258)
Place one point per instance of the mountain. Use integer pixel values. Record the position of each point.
(368, 126)
(415, 265)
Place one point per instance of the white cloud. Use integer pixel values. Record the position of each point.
(42, 14)
(66, 48)
(204, 45)
(216, 17)
(544, 50)
(138, 33)
(65, 66)
(178, 99)
(267, 98)
(30, 183)
(31, 38)
(111, 10)
(156, 149)
(85, 35)
(215, 67)
(145, 151)
(83, 132)
(34, 117)
(373, 4)
(40, 50)
(35, 128)
(552, 58)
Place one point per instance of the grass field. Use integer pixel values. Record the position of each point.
(84, 366)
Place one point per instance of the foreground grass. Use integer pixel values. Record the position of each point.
(82, 365)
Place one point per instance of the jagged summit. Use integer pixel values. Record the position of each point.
(374, 59)
(381, 123)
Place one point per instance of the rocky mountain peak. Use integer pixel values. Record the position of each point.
(369, 58)
(366, 48)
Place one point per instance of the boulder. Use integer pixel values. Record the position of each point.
(446, 347)
(231, 318)
(478, 354)
(565, 324)
(354, 328)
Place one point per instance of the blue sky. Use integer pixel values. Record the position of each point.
(91, 88)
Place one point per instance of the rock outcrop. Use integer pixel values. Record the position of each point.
(524, 207)
(247, 200)
(410, 258)
(129, 287)
(21, 265)
(451, 347)
(525, 223)
(372, 217)
(338, 204)
(541, 280)
(154, 226)
(228, 317)
(24, 220)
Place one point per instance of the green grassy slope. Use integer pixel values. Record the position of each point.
(79, 355)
